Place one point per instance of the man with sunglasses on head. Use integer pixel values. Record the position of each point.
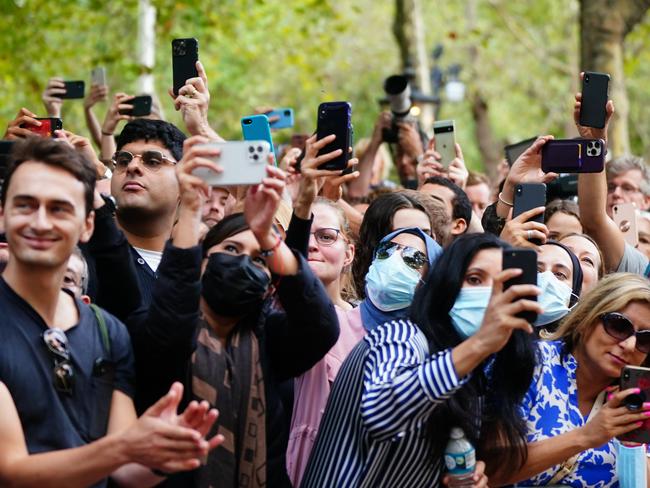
(66, 377)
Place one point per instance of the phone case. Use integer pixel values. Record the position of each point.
(285, 120)
(141, 106)
(527, 197)
(574, 156)
(624, 215)
(526, 260)
(74, 89)
(594, 99)
(636, 377)
(185, 54)
(335, 118)
(443, 132)
(243, 163)
(47, 127)
(256, 127)
(98, 76)
(513, 151)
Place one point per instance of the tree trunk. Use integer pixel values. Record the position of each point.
(603, 27)
(409, 33)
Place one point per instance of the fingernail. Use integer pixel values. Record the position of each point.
(637, 390)
(647, 414)
(646, 405)
(609, 397)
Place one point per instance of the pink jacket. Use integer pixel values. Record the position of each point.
(311, 391)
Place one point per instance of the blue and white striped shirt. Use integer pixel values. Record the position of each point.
(373, 432)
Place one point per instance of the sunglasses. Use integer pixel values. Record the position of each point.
(152, 160)
(326, 236)
(412, 257)
(63, 373)
(620, 328)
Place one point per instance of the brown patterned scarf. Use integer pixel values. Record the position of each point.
(231, 380)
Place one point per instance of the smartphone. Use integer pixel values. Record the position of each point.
(335, 118)
(47, 127)
(513, 151)
(243, 163)
(526, 260)
(185, 54)
(74, 89)
(141, 106)
(624, 215)
(574, 156)
(636, 377)
(98, 76)
(527, 197)
(595, 87)
(443, 133)
(285, 118)
(256, 127)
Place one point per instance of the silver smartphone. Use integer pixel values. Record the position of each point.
(98, 76)
(243, 163)
(625, 215)
(444, 135)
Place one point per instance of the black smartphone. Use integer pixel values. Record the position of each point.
(527, 197)
(185, 54)
(526, 260)
(513, 151)
(335, 118)
(594, 99)
(574, 156)
(141, 106)
(636, 377)
(74, 89)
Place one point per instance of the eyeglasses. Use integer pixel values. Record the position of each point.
(326, 236)
(57, 345)
(620, 328)
(152, 160)
(626, 188)
(412, 257)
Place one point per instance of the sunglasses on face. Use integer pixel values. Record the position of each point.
(412, 257)
(152, 160)
(620, 328)
(63, 373)
(326, 236)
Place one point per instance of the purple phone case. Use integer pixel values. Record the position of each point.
(574, 156)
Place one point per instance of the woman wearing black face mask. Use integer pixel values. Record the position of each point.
(266, 318)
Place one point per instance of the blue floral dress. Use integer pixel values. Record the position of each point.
(551, 408)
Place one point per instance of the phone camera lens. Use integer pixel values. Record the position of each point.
(247, 121)
(287, 113)
(586, 78)
(251, 149)
(256, 157)
(260, 149)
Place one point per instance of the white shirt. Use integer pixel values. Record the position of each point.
(152, 258)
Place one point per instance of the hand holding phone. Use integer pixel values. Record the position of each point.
(256, 127)
(445, 139)
(526, 260)
(335, 118)
(636, 377)
(47, 128)
(98, 76)
(280, 118)
(74, 89)
(242, 163)
(140, 106)
(513, 151)
(595, 88)
(574, 156)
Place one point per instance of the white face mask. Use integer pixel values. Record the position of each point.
(554, 299)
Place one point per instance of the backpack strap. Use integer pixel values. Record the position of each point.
(103, 330)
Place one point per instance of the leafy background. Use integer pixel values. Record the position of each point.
(298, 53)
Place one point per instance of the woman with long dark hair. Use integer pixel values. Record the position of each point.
(409, 382)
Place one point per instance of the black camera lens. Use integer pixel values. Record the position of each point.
(256, 157)
(247, 121)
(586, 78)
(287, 113)
(251, 149)
(634, 401)
(260, 149)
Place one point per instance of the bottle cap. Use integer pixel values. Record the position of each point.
(456, 433)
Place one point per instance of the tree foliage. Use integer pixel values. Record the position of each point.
(300, 52)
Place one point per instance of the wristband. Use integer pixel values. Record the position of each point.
(508, 204)
(269, 252)
(110, 134)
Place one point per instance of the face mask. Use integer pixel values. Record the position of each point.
(233, 286)
(631, 466)
(554, 299)
(390, 283)
(469, 309)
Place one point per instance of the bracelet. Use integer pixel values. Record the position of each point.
(107, 133)
(504, 202)
(269, 252)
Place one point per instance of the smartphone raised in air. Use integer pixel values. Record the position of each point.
(526, 260)
(527, 197)
(243, 163)
(443, 133)
(257, 127)
(74, 89)
(141, 106)
(284, 118)
(593, 109)
(98, 76)
(574, 156)
(185, 54)
(47, 127)
(513, 151)
(625, 215)
(335, 118)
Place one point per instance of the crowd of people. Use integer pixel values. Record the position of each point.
(319, 329)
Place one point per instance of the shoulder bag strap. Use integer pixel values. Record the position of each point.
(103, 330)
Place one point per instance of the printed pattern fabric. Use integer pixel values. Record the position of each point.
(551, 409)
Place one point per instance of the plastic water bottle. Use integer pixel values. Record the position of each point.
(460, 459)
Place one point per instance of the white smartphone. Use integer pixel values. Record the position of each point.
(625, 218)
(243, 163)
(443, 133)
(98, 76)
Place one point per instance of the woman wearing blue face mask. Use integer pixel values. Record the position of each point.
(409, 381)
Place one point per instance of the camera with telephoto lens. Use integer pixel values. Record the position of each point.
(398, 93)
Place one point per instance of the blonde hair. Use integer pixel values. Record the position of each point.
(612, 294)
(348, 290)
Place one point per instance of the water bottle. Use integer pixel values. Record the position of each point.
(460, 459)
